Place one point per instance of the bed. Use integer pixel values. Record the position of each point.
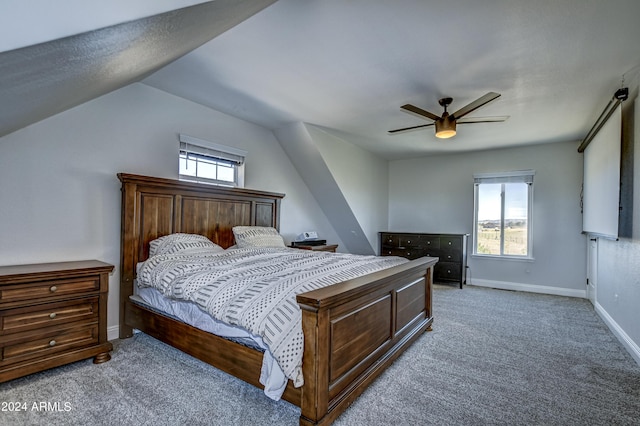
(352, 330)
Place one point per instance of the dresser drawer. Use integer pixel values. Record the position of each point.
(401, 241)
(49, 289)
(450, 243)
(449, 255)
(409, 253)
(447, 271)
(50, 314)
(429, 242)
(390, 240)
(21, 347)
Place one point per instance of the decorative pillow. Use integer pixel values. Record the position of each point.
(257, 236)
(174, 243)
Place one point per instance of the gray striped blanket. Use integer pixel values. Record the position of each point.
(255, 288)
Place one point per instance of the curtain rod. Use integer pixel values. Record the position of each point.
(618, 97)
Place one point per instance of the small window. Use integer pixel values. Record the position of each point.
(203, 161)
(502, 221)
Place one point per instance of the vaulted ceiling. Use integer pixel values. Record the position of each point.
(344, 66)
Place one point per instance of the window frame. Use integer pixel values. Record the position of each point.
(194, 148)
(520, 176)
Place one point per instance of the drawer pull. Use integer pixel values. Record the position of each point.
(52, 315)
(449, 242)
(53, 289)
(449, 257)
(52, 343)
(448, 271)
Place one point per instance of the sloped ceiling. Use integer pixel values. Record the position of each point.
(44, 79)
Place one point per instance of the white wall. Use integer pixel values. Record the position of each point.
(60, 197)
(362, 178)
(618, 280)
(435, 194)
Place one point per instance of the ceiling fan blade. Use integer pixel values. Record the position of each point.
(407, 129)
(419, 111)
(475, 104)
(470, 120)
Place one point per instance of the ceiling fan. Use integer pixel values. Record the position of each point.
(446, 124)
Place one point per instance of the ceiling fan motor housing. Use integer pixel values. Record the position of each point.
(445, 127)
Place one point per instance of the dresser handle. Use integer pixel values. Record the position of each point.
(448, 271)
(52, 343)
(52, 315)
(449, 242)
(53, 289)
(449, 257)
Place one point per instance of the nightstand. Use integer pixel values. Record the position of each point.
(327, 247)
(52, 314)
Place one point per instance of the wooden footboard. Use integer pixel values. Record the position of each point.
(355, 329)
(352, 332)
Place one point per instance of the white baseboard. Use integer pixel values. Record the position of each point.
(627, 342)
(113, 332)
(531, 288)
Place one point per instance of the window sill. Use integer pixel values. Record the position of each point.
(497, 257)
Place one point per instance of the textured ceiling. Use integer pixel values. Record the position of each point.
(348, 66)
(344, 66)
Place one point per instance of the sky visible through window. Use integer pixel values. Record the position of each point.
(515, 201)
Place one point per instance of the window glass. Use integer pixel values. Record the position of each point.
(516, 212)
(502, 214)
(204, 161)
(489, 230)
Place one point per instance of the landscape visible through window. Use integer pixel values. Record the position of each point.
(502, 228)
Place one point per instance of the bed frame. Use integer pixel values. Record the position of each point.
(352, 330)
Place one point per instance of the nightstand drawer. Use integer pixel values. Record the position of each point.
(50, 314)
(51, 288)
(21, 348)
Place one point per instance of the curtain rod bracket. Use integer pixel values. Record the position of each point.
(622, 94)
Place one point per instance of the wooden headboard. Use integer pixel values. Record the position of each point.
(154, 207)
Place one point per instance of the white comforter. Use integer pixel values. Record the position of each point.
(255, 288)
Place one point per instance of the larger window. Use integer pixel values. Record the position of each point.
(502, 220)
(204, 161)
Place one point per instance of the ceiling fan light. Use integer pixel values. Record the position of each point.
(445, 128)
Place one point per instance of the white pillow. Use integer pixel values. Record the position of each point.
(257, 236)
(174, 243)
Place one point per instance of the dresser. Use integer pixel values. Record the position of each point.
(451, 249)
(52, 314)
